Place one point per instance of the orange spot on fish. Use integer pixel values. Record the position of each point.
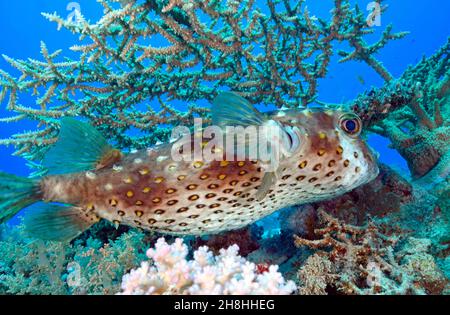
(198, 164)
(194, 197)
(144, 171)
(146, 190)
(192, 187)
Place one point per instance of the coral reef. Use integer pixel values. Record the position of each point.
(413, 112)
(123, 81)
(84, 267)
(363, 260)
(228, 273)
(35, 268)
(383, 196)
(390, 236)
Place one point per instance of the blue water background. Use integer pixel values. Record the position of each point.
(22, 28)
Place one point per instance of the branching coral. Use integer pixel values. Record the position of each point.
(37, 267)
(413, 112)
(34, 268)
(273, 55)
(316, 275)
(362, 261)
(169, 272)
(98, 268)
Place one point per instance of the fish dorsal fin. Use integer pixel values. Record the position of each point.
(58, 223)
(80, 147)
(230, 109)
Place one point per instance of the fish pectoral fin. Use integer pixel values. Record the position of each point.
(80, 147)
(231, 109)
(58, 223)
(268, 181)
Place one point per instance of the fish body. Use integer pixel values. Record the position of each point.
(150, 190)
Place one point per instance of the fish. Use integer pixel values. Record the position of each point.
(322, 156)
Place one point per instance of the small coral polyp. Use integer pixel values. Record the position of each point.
(169, 272)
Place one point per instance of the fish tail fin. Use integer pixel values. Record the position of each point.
(58, 222)
(16, 193)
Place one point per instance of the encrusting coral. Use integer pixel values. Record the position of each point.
(169, 272)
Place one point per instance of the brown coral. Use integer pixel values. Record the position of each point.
(362, 258)
(413, 112)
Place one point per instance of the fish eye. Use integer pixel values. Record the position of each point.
(351, 124)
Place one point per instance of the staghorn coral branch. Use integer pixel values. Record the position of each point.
(354, 259)
(412, 111)
(277, 57)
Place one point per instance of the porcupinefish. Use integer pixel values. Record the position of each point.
(89, 180)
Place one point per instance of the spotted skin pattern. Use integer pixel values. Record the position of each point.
(147, 189)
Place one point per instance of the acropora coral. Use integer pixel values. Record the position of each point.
(121, 77)
(362, 260)
(413, 112)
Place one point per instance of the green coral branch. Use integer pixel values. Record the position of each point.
(413, 112)
(277, 57)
